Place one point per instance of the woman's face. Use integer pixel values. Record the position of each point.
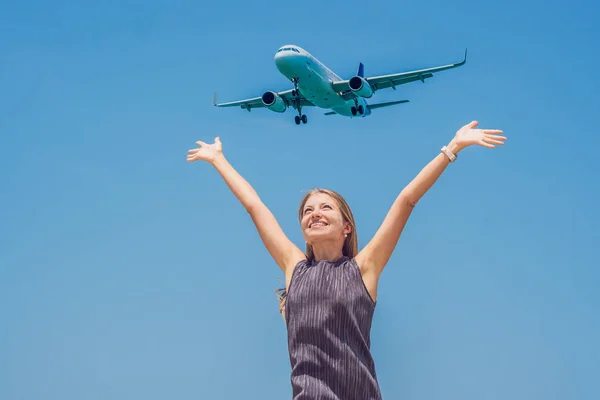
(322, 219)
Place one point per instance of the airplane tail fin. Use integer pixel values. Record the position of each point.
(361, 70)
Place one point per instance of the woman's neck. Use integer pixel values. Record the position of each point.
(327, 253)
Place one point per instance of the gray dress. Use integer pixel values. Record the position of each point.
(328, 313)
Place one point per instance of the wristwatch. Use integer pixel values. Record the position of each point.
(448, 153)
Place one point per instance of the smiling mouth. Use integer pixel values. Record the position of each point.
(317, 224)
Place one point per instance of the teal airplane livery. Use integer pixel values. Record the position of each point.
(315, 85)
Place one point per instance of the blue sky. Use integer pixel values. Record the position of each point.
(128, 273)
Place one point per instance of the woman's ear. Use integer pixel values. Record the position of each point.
(347, 228)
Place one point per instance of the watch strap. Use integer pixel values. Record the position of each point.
(451, 156)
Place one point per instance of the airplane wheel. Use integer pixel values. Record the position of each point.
(353, 110)
(361, 110)
(304, 119)
(297, 119)
(293, 92)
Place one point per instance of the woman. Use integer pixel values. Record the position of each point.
(332, 287)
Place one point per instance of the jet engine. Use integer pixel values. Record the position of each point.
(273, 102)
(360, 87)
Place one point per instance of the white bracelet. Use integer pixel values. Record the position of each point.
(451, 156)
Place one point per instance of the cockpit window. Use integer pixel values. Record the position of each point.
(288, 49)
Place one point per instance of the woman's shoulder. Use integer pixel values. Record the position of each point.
(295, 265)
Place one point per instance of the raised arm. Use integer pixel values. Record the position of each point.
(284, 252)
(376, 254)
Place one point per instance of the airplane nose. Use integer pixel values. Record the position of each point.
(285, 59)
(280, 55)
(280, 58)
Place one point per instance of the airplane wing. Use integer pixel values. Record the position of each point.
(393, 80)
(256, 102)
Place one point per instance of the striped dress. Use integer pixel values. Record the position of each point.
(328, 313)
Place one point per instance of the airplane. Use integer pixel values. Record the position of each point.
(315, 85)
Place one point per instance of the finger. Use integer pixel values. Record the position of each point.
(199, 143)
(472, 124)
(501, 143)
(493, 131)
(217, 140)
(193, 151)
(485, 144)
(494, 137)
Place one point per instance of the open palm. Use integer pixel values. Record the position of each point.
(468, 135)
(206, 152)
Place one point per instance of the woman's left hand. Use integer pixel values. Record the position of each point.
(468, 135)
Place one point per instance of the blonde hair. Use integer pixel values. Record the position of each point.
(350, 247)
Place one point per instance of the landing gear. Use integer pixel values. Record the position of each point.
(301, 117)
(295, 90)
(296, 98)
(357, 110)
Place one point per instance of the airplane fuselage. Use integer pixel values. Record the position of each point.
(314, 80)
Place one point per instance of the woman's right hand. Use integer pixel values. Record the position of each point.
(206, 152)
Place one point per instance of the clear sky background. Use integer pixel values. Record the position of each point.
(127, 273)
